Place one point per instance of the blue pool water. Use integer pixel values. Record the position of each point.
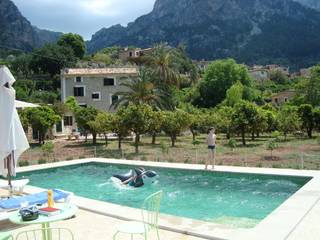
(228, 198)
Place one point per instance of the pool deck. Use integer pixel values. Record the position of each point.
(296, 218)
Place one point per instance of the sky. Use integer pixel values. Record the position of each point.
(84, 17)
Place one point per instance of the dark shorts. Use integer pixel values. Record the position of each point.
(211, 147)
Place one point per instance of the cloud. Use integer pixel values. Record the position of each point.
(84, 17)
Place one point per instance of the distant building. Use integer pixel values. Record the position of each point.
(92, 87)
(262, 73)
(127, 53)
(305, 72)
(202, 65)
(282, 97)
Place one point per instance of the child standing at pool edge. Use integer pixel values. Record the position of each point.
(211, 142)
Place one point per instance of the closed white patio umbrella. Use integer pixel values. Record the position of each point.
(13, 141)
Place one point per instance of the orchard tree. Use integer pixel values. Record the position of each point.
(244, 116)
(223, 119)
(156, 122)
(218, 78)
(137, 118)
(288, 120)
(307, 116)
(84, 116)
(42, 119)
(119, 126)
(75, 42)
(175, 123)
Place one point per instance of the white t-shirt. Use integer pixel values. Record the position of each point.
(211, 139)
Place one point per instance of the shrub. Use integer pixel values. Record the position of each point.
(272, 145)
(69, 158)
(42, 161)
(259, 165)
(276, 135)
(47, 148)
(187, 161)
(164, 148)
(232, 143)
(82, 157)
(23, 163)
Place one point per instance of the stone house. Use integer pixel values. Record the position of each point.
(282, 97)
(92, 87)
(127, 53)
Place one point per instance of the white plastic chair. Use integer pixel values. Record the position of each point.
(150, 216)
(46, 234)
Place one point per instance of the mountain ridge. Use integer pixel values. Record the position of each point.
(17, 32)
(252, 31)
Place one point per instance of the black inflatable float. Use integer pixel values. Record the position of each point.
(135, 177)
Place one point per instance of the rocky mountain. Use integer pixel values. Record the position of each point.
(315, 4)
(252, 31)
(17, 32)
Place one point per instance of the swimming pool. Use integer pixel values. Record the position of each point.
(230, 198)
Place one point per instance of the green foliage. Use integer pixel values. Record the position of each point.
(85, 116)
(155, 124)
(278, 77)
(137, 118)
(72, 104)
(142, 90)
(102, 58)
(164, 148)
(119, 126)
(244, 117)
(47, 149)
(223, 119)
(23, 163)
(51, 58)
(271, 146)
(232, 143)
(42, 161)
(75, 42)
(174, 123)
(218, 78)
(42, 119)
(234, 94)
(288, 120)
(276, 135)
(309, 88)
(307, 117)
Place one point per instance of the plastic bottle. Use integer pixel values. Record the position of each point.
(50, 198)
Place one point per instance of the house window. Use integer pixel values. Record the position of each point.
(96, 96)
(109, 82)
(286, 99)
(79, 91)
(114, 98)
(276, 100)
(68, 120)
(130, 54)
(78, 79)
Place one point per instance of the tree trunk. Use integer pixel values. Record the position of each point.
(154, 135)
(119, 142)
(252, 136)
(243, 137)
(86, 136)
(309, 131)
(228, 135)
(94, 138)
(193, 134)
(106, 139)
(173, 141)
(137, 140)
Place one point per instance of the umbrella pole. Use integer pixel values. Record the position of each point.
(9, 173)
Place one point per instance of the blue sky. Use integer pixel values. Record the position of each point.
(84, 17)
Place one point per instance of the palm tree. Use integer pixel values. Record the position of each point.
(142, 90)
(160, 61)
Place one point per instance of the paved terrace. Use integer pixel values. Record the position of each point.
(297, 218)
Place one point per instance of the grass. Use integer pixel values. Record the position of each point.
(254, 154)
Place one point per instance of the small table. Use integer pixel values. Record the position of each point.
(67, 211)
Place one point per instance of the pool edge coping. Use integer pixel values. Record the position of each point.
(268, 228)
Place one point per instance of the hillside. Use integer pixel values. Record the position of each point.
(252, 31)
(17, 32)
